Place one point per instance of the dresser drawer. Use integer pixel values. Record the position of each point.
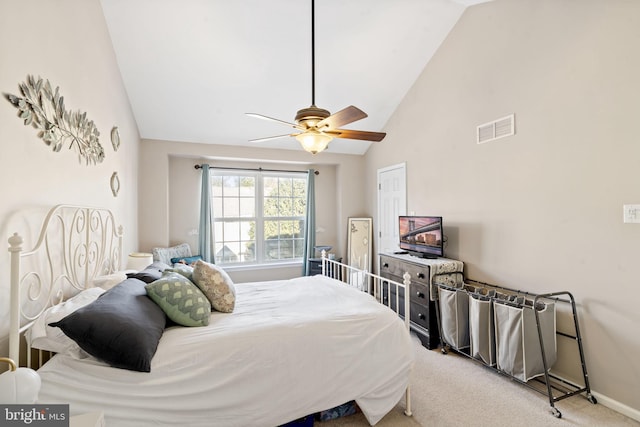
(423, 316)
(419, 294)
(419, 291)
(419, 273)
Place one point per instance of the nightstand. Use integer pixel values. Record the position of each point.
(315, 266)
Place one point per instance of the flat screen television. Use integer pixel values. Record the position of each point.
(422, 236)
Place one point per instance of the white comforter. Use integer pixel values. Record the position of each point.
(289, 349)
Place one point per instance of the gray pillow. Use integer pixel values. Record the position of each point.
(151, 273)
(122, 327)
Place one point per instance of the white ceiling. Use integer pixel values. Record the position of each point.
(193, 68)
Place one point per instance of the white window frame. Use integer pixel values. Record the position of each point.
(259, 217)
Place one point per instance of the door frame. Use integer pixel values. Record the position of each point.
(403, 167)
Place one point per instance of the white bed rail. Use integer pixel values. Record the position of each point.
(75, 244)
(385, 291)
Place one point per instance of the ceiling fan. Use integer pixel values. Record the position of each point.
(317, 126)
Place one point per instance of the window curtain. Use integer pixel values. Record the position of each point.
(205, 236)
(310, 223)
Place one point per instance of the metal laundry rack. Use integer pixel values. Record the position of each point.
(454, 316)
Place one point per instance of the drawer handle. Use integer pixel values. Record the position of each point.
(420, 294)
(421, 316)
(420, 275)
(385, 265)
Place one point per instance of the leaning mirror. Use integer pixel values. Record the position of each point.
(359, 243)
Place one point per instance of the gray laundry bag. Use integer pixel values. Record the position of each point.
(454, 316)
(518, 351)
(481, 329)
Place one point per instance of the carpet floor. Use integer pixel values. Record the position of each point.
(451, 390)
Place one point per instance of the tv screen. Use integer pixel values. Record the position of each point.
(421, 236)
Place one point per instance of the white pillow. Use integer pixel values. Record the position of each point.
(108, 281)
(165, 254)
(44, 337)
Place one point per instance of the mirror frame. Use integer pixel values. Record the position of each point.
(363, 247)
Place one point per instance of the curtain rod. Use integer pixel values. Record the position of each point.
(254, 169)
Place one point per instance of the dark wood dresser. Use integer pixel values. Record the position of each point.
(423, 271)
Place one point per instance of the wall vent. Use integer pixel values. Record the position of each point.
(496, 129)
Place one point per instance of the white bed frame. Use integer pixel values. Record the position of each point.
(77, 244)
(373, 285)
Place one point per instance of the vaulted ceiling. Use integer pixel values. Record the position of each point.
(193, 68)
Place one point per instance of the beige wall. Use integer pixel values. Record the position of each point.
(66, 42)
(170, 193)
(541, 210)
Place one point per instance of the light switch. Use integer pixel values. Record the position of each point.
(631, 213)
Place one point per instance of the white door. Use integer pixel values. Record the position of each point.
(392, 202)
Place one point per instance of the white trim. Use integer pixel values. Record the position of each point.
(269, 266)
(397, 166)
(617, 406)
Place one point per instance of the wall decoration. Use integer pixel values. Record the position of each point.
(115, 138)
(44, 109)
(115, 184)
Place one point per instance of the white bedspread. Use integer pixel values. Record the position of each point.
(289, 349)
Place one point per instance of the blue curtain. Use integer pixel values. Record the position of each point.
(205, 236)
(310, 223)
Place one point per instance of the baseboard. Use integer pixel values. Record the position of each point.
(610, 403)
(617, 406)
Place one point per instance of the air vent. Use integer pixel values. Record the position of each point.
(496, 129)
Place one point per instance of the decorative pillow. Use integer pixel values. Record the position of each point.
(185, 270)
(108, 281)
(151, 273)
(185, 260)
(122, 327)
(44, 337)
(165, 254)
(180, 299)
(158, 265)
(216, 285)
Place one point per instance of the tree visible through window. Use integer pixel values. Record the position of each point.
(259, 217)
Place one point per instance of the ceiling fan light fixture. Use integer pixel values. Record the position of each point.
(313, 141)
(318, 126)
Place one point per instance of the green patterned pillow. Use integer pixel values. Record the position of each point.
(185, 270)
(180, 299)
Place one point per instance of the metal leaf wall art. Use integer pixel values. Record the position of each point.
(44, 109)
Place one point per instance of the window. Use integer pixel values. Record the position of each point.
(258, 217)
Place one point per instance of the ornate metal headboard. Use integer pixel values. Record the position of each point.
(75, 244)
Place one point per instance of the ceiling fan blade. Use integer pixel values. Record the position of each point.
(260, 116)
(357, 134)
(269, 138)
(342, 117)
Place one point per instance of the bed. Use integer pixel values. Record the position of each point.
(288, 349)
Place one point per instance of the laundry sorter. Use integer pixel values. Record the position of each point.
(511, 331)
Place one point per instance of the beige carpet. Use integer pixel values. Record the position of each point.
(451, 390)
